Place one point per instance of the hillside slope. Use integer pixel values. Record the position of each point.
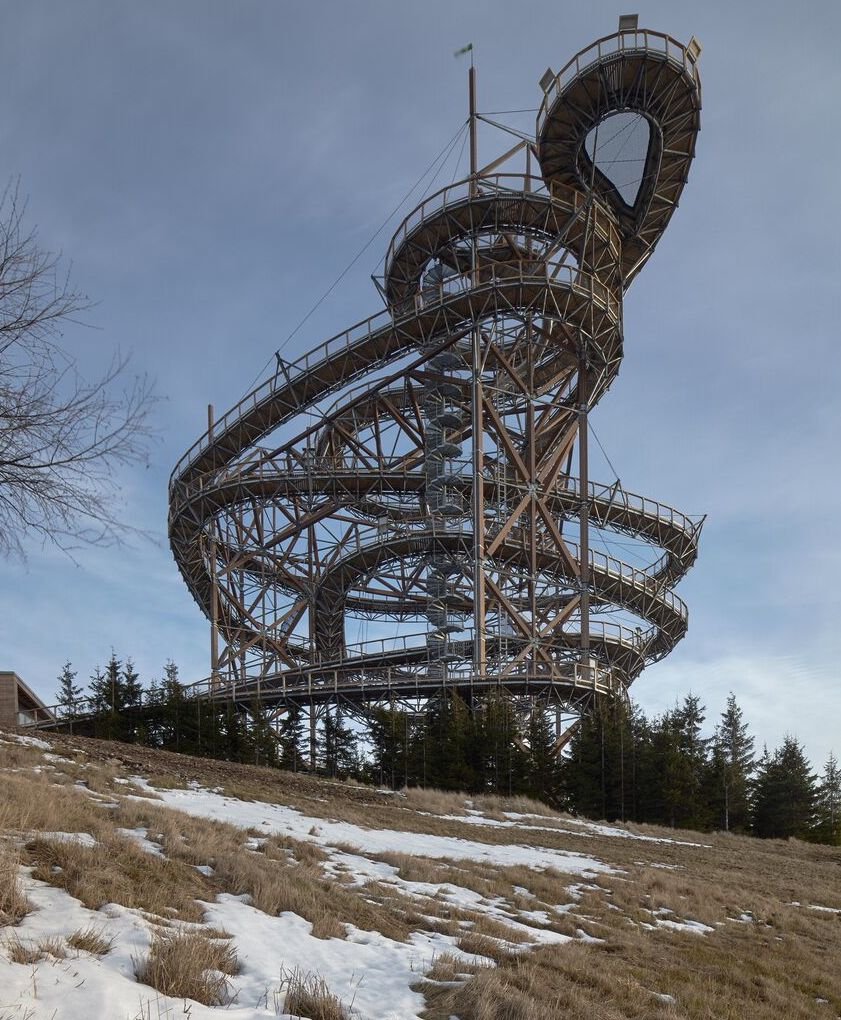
(137, 885)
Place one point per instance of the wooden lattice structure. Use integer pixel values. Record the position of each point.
(426, 472)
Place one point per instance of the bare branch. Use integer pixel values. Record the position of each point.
(62, 437)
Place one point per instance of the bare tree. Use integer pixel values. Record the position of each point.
(62, 437)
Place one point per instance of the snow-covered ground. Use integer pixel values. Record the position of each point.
(376, 977)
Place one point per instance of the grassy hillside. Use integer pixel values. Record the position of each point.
(142, 884)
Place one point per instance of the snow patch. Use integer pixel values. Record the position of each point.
(280, 820)
(82, 838)
(29, 741)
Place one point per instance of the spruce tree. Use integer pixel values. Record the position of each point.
(177, 729)
(290, 738)
(448, 736)
(784, 794)
(102, 694)
(499, 761)
(732, 766)
(389, 735)
(828, 827)
(545, 780)
(132, 689)
(230, 741)
(131, 693)
(153, 714)
(339, 750)
(69, 694)
(263, 739)
(600, 769)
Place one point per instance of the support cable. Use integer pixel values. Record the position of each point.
(445, 152)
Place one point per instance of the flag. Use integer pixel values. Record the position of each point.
(463, 50)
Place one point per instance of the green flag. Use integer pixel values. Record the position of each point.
(463, 50)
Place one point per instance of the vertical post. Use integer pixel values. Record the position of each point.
(533, 484)
(584, 506)
(477, 398)
(474, 149)
(214, 584)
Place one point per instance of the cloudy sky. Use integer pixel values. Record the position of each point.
(210, 168)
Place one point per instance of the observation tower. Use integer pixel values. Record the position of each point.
(408, 507)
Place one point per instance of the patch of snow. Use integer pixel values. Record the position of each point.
(140, 836)
(29, 741)
(364, 870)
(58, 759)
(610, 830)
(205, 869)
(282, 820)
(82, 838)
(694, 927)
(365, 969)
(828, 910)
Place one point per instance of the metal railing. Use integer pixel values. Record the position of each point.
(641, 40)
(552, 273)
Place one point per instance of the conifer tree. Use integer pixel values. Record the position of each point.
(682, 755)
(545, 772)
(339, 758)
(229, 738)
(600, 769)
(290, 739)
(500, 763)
(169, 712)
(828, 827)
(784, 794)
(732, 766)
(107, 697)
(99, 692)
(389, 735)
(153, 714)
(131, 693)
(113, 679)
(262, 738)
(69, 693)
(448, 733)
(132, 689)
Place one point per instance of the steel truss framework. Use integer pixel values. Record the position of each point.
(425, 473)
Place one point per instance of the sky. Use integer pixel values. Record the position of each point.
(209, 169)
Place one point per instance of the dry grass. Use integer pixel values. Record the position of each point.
(118, 871)
(449, 969)
(781, 962)
(90, 940)
(13, 903)
(494, 805)
(486, 946)
(307, 995)
(31, 951)
(189, 965)
(19, 951)
(435, 802)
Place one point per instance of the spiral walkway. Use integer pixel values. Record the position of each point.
(407, 506)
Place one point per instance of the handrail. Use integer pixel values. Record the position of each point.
(617, 43)
(354, 542)
(552, 273)
(588, 250)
